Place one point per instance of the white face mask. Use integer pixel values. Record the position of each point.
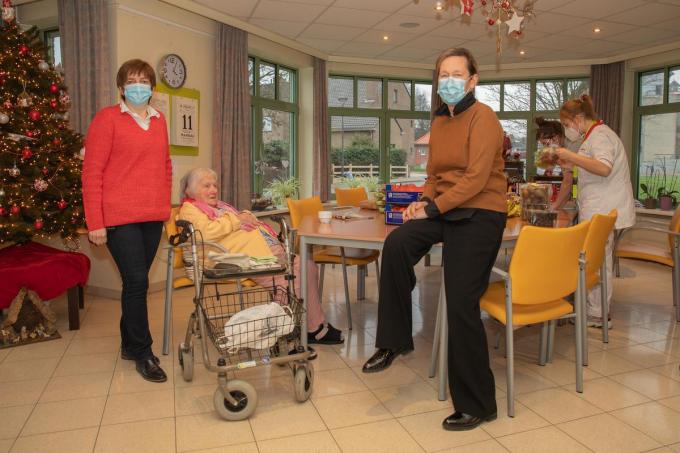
(572, 134)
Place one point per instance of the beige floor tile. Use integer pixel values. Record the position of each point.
(48, 349)
(673, 402)
(542, 440)
(17, 393)
(642, 355)
(387, 436)
(487, 446)
(13, 419)
(129, 381)
(5, 445)
(351, 409)
(337, 382)
(561, 371)
(669, 345)
(75, 441)
(194, 400)
(86, 364)
(82, 346)
(355, 355)
(28, 369)
(276, 391)
(427, 430)
(657, 421)
(92, 329)
(410, 399)
(558, 405)
(609, 395)
(607, 363)
(525, 380)
(208, 430)
(321, 442)
(64, 415)
(62, 388)
(147, 436)
(283, 421)
(670, 370)
(129, 407)
(606, 433)
(524, 420)
(397, 374)
(650, 384)
(250, 447)
(675, 447)
(327, 359)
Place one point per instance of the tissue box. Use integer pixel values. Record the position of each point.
(394, 214)
(403, 193)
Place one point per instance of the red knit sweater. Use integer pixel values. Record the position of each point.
(127, 173)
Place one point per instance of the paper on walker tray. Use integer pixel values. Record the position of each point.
(350, 216)
(239, 259)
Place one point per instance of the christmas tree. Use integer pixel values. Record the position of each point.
(40, 157)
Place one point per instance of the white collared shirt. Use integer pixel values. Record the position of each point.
(142, 122)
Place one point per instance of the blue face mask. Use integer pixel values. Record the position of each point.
(137, 94)
(451, 90)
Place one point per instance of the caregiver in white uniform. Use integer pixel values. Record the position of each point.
(603, 180)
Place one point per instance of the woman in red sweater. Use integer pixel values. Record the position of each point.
(127, 176)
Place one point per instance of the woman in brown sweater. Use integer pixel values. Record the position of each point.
(464, 207)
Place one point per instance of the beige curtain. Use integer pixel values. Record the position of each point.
(231, 121)
(321, 185)
(606, 89)
(83, 28)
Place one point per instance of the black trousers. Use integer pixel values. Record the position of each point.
(470, 249)
(133, 247)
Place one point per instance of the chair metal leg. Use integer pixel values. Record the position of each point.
(579, 324)
(551, 340)
(377, 274)
(344, 279)
(167, 317)
(322, 268)
(584, 317)
(443, 343)
(543, 344)
(604, 301)
(361, 282)
(436, 341)
(509, 350)
(676, 277)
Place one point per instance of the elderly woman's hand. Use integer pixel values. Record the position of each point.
(247, 217)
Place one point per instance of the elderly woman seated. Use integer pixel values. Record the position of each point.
(242, 232)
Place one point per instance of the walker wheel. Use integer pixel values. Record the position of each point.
(246, 401)
(185, 356)
(304, 382)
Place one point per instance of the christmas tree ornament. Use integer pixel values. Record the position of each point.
(45, 171)
(24, 50)
(26, 153)
(40, 185)
(24, 99)
(54, 88)
(3, 211)
(4, 118)
(61, 204)
(39, 223)
(14, 171)
(54, 104)
(64, 98)
(2, 193)
(34, 115)
(514, 23)
(56, 141)
(43, 65)
(30, 134)
(466, 7)
(15, 210)
(7, 105)
(8, 13)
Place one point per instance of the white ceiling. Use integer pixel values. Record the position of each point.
(561, 30)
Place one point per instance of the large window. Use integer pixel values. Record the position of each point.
(518, 102)
(379, 129)
(273, 90)
(53, 44)
(657, 125)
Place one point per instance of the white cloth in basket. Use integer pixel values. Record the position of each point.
(258, 327)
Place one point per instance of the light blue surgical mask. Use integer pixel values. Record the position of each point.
(137, 94)
(451, 89)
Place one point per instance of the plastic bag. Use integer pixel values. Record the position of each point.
(258, 327)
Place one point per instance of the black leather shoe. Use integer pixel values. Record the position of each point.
(382, 359)
(459, 421)
(125, 356)
(150, 370)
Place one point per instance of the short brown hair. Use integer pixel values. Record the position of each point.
(135, 66)
(580, 106)
(548, 128)
(452, 52)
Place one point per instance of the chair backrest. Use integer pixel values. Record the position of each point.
(544, 265)
(601, 227)
(674, 226)
(170, 229)
(303, 208)
(350, 197)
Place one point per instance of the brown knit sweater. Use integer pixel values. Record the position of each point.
(465, 164)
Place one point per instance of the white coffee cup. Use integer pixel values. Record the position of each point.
(325, 216)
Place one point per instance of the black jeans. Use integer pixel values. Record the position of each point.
(470, 249)
(133, 247)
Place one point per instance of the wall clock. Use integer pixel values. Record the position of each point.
(173, 71)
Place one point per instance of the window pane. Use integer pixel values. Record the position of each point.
(370, 94)
(409, 148)
(577, 87)
(659, 150)
(674, 85)
(277, 142)
(516, 130)
(549, 95)
(355, 147)
(251, 76)
(489, 95)
(286, 85)
(651, 88)
(517, 97)
(423, 97)
(267, 77)
(340, 92)
(399, 95)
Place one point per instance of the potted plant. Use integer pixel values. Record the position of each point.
(666, 198)
(280, 189)
(650, 200)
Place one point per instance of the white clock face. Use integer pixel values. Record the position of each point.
(173, 71)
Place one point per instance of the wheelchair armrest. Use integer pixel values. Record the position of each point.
(501, 273)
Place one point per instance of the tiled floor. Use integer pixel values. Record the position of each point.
(76, 394)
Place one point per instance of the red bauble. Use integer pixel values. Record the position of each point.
(61, 204)
(54, 88)
(45, 171)
(15, 210)
(26, 153)
(38, 223)
(56, 141)
(3, 211)
(34, 115)
(7, 105)
(30, 134)
(54, 104)
(23, 50)
(491, 21)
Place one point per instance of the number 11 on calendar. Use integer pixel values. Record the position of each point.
(185, 121)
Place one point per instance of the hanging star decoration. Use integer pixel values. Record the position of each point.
(514, 23)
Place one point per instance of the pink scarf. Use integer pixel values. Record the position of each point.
(214, 212)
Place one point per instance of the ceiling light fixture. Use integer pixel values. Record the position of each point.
(385, 38)
(521, 52)
(596, 30)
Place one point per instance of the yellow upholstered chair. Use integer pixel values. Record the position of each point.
(350, 197)
(310, 207)
(547, 265)
(667, 256)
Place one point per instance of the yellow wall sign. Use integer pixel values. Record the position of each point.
(181, 110)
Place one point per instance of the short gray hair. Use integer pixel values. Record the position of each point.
(187, 184)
